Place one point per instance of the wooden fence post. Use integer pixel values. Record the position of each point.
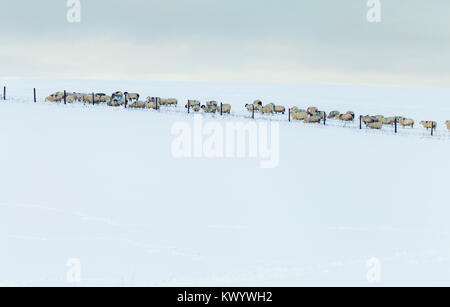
(93, 99)
(34, 94)
(324, 118)
(360, 122)
(189, 107)
(221, 109)
(253, 111)
(395, 122)
(65, 97)
(432, 128)
(4, 93)
(289, 116)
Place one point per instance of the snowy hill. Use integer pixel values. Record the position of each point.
(101, 185)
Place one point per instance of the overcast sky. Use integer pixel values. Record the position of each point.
(314, 41)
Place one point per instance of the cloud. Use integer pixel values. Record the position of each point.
(324, 41)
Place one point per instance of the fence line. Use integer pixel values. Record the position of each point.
(330, 123)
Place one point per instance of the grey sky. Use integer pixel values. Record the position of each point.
(320, 41)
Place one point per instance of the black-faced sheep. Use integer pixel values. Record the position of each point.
(193, 103)
(132, 96)
(312, 111)
(280, 109)
(406, 122)
(429, 124)
(347, 117)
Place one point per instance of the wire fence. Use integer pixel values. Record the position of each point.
(441, 133)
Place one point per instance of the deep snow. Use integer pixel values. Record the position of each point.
(100, 184)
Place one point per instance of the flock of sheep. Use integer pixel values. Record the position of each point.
(309, 115)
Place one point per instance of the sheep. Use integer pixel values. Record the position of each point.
(321, 114)
(59, 96)
(153, 99)
(138, 105)
(53, 98)
(268, 109)
(211, 104)
(253, 107)
(388, 121)
(132, 96)
(280, 109)
(375, 125)
(88, 99)
(258, 103)
(368, 119)
(297, 110)
(448, 124)
(196, 108)
(226, 109)
(429, 124)
(209, 109)
(334, 114)
(83, 97)
(351, 113)
(294, 110)
(346, 117)
(313, 119)
(193, 103)
(312, 111)
(299, 116)
(379, 118)
(117, 94)
(406, 122)
(169, 102)
(116, 102)
(151, 105)
(105, 98)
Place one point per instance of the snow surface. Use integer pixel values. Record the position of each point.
(100, 185)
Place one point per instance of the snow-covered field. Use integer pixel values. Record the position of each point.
(101, 186)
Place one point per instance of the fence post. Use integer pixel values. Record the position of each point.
(156, 101)
(93, 99)
(253, 112)
(126, 100)
(432, 128)
(324, 118)
(189, 107)
(360, 122)
(65, 97)
(395, 124)
(4, 93)
(221, 109)
(34, 94)
(289, 116)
